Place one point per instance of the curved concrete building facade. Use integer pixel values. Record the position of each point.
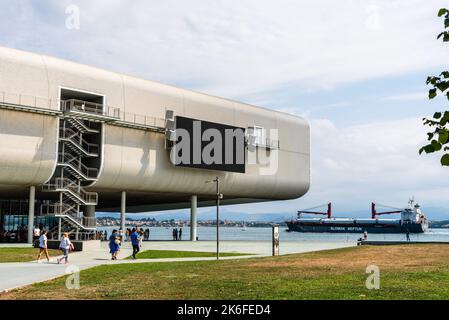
(130, 134)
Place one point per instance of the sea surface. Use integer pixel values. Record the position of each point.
(254, 234)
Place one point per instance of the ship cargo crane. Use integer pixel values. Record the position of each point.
(374, 212)
(310, 210)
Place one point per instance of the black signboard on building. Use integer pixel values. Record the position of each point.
(208, 145)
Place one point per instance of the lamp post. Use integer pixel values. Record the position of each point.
(219, 197)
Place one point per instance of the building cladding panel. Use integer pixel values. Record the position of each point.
(136, 160)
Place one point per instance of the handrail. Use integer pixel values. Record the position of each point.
(59, 209)
(85, 126)
(67, 184)
(89, 107)
(68, 159)
(132, 118)
(69, 134)
(29, 101)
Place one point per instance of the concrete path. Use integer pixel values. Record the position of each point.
(16, 275)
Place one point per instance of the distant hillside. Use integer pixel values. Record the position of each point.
(439, 224)
(433, 214)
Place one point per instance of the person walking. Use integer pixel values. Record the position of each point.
(43, 246)
(36, 234)
(180, 234)
(408, 235)
(66, 245)
(135, 242)
(141, 236)
(114, 244)
(175, 234)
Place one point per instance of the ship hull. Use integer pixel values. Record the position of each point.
(355, 228)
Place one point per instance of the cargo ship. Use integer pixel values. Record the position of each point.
(412, 220)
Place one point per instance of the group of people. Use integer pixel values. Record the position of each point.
(144, 234)
(118, 237)
(65, 246)
(177, 234)
(14, 236)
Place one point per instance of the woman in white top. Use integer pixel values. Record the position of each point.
(65, 245)
(43, 246)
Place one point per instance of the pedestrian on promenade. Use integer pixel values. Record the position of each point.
(36, 234)
(66, 246)
(180, 234)
(141, 236)
(43, 246)
(135, 242)
(408, 235)
(114, 244)
(175, 234)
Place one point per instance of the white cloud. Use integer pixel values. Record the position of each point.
(231, 49)
(410, 96)
(377, 161)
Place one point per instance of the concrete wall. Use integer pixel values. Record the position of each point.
(28, 147)
(136, 160)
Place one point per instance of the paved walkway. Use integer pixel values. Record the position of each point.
(16, 275)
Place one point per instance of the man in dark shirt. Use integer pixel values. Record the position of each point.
(135, 242)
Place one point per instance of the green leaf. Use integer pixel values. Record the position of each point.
(445, 160)
(430, 136)
(436, 145)
(446, 23)
(443, 85)
(442, 12)
(429, 148)
(445, 36)
(445, 74)
(432, 93)
(443, 136)
(437, 115)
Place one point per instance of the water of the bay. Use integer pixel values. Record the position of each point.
(254, 234)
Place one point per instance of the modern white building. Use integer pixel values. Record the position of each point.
(75, 139)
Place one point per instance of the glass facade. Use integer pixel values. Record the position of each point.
(14, 221)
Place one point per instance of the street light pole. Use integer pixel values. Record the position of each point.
(219, 197)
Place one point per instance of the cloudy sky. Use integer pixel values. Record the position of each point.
(355, 68)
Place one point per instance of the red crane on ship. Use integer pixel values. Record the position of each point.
(328, 213)
(375, 213)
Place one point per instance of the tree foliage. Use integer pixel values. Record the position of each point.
(438, 137)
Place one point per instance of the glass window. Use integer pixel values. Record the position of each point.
(259, 133)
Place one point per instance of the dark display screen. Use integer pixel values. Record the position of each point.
(209, 145)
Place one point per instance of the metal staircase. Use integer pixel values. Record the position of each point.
(78, 153)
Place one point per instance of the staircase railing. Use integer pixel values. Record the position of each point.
(76, 138)
(76, 164)
(62, 184)
(85, 126)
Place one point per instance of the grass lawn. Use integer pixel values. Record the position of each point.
(406, 272)
(161, 254)
(23, 254)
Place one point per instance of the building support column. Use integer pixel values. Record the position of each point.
(59, 228)
(31, 214)
(193, 217)
(89, 217)
(123, 212)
